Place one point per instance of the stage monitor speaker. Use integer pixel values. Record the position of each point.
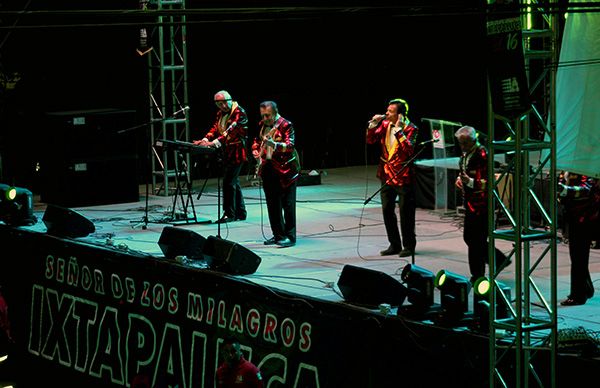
(175, 242)
(369, 287)
(230, 257)
(63, 222)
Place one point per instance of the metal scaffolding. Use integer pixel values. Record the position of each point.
(167, 90)
(523, 345)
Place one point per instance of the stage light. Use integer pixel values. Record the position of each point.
(482, 302)
(482, 286)
(16, 206)
(454, 290)
(482, 293)
(419, 282)
(9, 192)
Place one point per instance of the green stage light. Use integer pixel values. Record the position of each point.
(482, 302)
(454, 291)
(16, 206)
(10, 193)
(482, 286)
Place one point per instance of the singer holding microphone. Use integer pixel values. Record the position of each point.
(229, 133)
(396, 135)
(278, 166)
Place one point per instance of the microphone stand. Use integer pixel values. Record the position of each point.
(221, 168)
(144, 221)
(404, 167)
(220, 161)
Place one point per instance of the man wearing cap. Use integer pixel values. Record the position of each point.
(228, 133)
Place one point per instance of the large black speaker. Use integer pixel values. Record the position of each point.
(63, 222)
(175, 242)
(88, 159)
(230, 257)
(370, 287)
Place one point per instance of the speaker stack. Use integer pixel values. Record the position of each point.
(87, 160)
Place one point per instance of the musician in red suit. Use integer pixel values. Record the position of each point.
(472, 181)
(580, 196)
(396, 134)
(279, 168)
(229, 134)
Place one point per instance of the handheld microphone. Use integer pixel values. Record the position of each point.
(428, 141)
(231, 126)
(376, 119)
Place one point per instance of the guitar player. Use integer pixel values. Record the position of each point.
(279, 168)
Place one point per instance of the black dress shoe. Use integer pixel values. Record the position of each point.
(240, 218)
(225, 219)
(286, 242)
(406, 253)
(390, 251)
(573, 301)
(271, 241)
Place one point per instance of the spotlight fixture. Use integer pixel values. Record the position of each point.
(9, 193)
(482, 302)
(16, 206)
(419, 282)
(454, 290)
(420, 286)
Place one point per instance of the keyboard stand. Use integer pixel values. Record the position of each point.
(183, 182)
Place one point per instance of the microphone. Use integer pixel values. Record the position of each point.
(376, 119)
(181, 110)
(428, 141)
(231, 126)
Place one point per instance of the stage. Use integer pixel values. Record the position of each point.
(328, 342)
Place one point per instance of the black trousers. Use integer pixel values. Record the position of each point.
(580, 240)
(408, 207)
(281, 204)
(475, 235)
(233, 200)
